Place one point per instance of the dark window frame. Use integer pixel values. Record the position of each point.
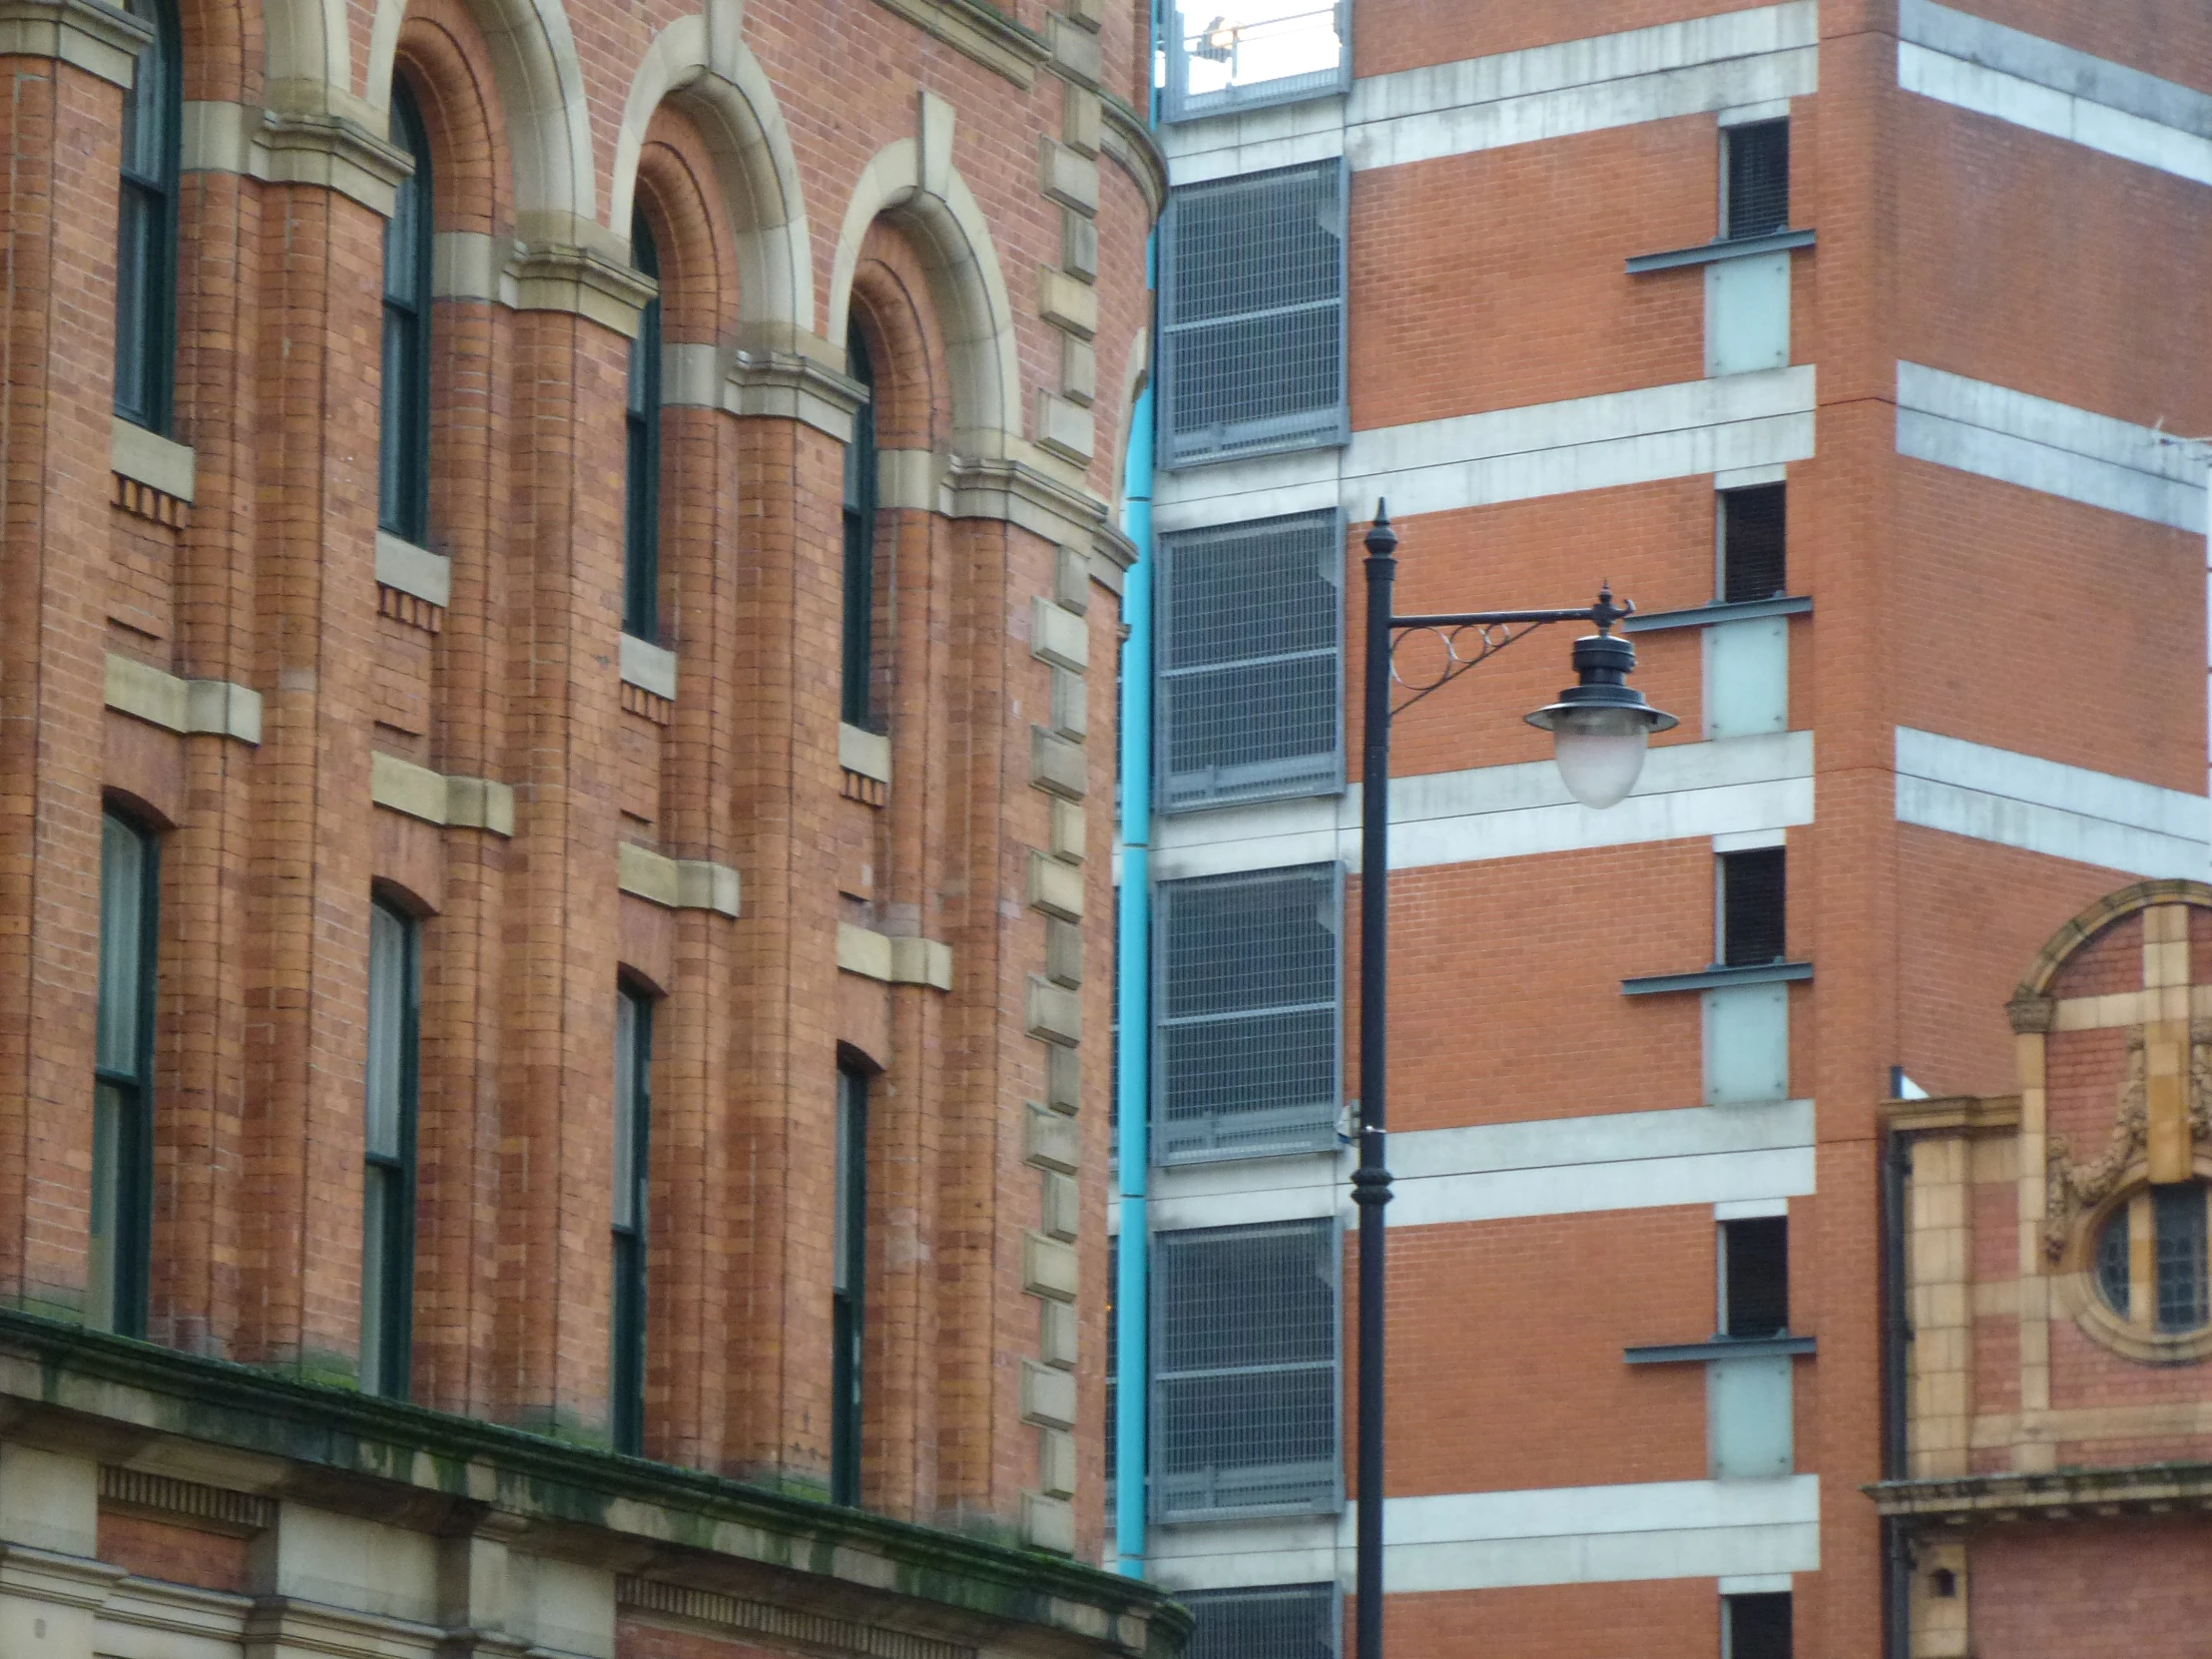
(1754, 536)
(1758, 1625)
(404, 405)
(146, 286)
(848, 1288)
(1753, 924)
(641, 505)
(123, 1150)
(1751, 192)
(858, 660)
(1213, 1637)
(389, 1180)
(1755, 1277)
(630, 1219)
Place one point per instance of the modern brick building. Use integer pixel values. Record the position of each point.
(1860, 344)
(561, 588)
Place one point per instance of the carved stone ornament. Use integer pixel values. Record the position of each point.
(2070, 1188)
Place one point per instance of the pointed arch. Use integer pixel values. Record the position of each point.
(700, 64)
(915, 183)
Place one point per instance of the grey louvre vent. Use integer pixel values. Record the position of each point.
(1255, 52)
(1254, 357)
(1244, 1061)
(1277, 1621)
(1251, 638)
(1245, 1380)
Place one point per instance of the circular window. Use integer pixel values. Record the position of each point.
(2151, 1264)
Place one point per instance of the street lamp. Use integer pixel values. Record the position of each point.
(1599, 727)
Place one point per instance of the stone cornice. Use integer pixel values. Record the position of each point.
(562, 277)
(981, 32)
(787, 386)
(98, 39)
(1129, 140)
(2065, 1494)
(131, 1402)
(1964, 1114)
(1026, 495)
(335, 151)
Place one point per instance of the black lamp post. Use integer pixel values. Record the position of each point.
(1599, 727)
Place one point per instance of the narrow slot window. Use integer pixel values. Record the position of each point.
(2114, 1270)
(403, 468)
(1756, 200)
(389, 1200)
(1754, 543)
(850, 1267)
(1754, 907)
(1756, 1626)
(145, 226)
(1755, 1277)
(2178, 1226)
(859, 546)
(633, 1137)
(122, 1113)
(641, 508)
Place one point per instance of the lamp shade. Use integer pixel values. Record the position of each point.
(1601, 726)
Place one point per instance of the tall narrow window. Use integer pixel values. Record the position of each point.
(632, 1137)
(850, 1270)
(2178, 1235)
(122, 1112)
(1754, 543)
(1757, 180)
(403, 472)
(641, 507)
(1756, 1626)
(388, 1206)
(1754, 907)
(145, 226)
(1755, 1277)
(860, 544)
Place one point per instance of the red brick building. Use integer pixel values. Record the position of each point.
(1858, 342)
(557, 555)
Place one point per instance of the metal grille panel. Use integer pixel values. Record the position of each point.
(1758, 178)
(1279, 1621)
(1754, 543)
(1245, 1377)
(1754, 907)
(1253, 345)
(1245, 1057)
(1251, 633)
(1265, 52)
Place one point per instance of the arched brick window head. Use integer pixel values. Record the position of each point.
(403, 472)
(145, 226)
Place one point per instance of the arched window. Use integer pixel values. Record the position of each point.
(860, 544)
(123, 1092)
(403, 474)
(145, 226)
(641, 508)
(633, 1140)
(388, 1191)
